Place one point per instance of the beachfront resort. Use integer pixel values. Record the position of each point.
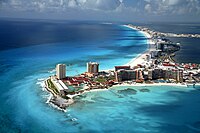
(154, 67)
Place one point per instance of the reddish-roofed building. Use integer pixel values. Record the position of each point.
(187, 66)
(194, 65)
(139, 65)
(122, 67)
(75, 83)
(168, 64)
(80, 79)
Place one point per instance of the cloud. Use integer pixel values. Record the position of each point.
(122, 7)
(154, 6)
(176, 6)
(72, 3)
(98, 4)
(148, 8)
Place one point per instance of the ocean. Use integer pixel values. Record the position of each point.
(29, 51)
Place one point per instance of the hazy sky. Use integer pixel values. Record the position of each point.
(110, 10)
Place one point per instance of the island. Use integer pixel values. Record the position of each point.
(155, 66)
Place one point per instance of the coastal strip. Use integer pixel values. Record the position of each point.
(60, 102)
(140, 59)
(154, 67)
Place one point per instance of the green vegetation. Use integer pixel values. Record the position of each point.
(65, 97)
(101, 79)
(111, 78)
(52, 87)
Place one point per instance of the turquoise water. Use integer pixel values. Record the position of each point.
(163, 109)
(25, 63)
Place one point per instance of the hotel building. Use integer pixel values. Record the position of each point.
(60, 71)
(122, 68)
(92, 67)
(125, 75)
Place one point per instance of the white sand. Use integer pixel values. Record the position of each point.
(154, 84)
(141, 58)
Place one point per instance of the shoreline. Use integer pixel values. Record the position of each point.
(139, 59)
(52, 100)
(154, 84)
(133, 85)
(57, 101)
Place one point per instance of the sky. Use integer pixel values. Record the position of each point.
(105, 10)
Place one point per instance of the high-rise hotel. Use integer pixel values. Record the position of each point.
(92, 67)
(60, 71)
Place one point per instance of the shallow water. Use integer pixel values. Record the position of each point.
(163, 109)
(24, 62)
(24, 65)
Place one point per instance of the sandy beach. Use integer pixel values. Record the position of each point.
(154, 84)
(141, 58)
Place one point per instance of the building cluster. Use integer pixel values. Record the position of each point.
(149, 72)
(165, 45)
(182, 35)
(157, 65)
(89, 78)
(141, 74)
(161, 34)
(191, 72)
(76, 81)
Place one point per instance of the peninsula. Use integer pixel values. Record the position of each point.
(153, 67)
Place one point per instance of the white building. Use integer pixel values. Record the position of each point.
(59, 84)
(60, 71)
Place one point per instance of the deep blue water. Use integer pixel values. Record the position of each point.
(29, 52)
(189, 52)
(186, 28)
